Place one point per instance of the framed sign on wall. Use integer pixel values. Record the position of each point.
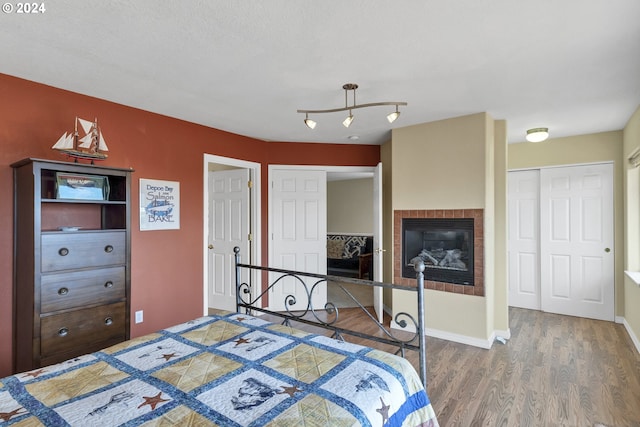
(159, 205)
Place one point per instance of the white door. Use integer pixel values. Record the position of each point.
(228, 227)
(576, 246)
(377, 241)
(299, 234)
(524, 237)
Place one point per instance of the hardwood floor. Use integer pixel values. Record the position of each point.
(554, 371)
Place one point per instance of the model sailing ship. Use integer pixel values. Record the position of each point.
(91, 146)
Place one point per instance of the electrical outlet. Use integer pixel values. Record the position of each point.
(139, 316)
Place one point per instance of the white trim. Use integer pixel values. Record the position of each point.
(633, 275)
(255, 215)
(462, 339)
(633, 336)
(612, 162)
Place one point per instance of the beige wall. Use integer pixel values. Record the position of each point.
(631, 142)
(592, 148)
(349, 204)
(451, 164)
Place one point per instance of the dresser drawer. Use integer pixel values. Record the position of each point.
(81, 288)
(64, 251)
(78, 329)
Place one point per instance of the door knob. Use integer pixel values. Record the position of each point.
(378, 250)
(607, 250)
(210, 246)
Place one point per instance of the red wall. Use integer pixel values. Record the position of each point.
(167, 270)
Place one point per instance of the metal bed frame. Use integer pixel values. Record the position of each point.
(309, 315)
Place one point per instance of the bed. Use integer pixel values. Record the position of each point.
(227, 369)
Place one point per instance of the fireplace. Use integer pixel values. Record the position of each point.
(444, 245)
(439, 231)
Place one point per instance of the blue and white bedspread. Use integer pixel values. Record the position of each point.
(227, 370)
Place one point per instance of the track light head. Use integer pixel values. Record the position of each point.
(347, 122)
(393, 116)
(310, 123)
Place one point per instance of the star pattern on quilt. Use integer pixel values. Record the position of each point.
(240, 341)
(35, 373)
(6, 416)
(384, 411)
(169, 356)
(153, 400)
(290, 390)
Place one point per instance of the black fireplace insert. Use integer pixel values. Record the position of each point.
(445, 245)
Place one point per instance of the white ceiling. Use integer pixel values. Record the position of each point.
(247, 66)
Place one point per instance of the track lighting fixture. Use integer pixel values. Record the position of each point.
(347, 122)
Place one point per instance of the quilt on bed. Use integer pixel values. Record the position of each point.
(228, 370)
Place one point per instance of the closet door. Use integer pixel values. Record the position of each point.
(524, 239)
(576, 245)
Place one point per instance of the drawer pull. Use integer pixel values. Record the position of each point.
(108, 249)
(108, 321)
(63, 332)
(108, 284)
(63, 291)
(63, 252)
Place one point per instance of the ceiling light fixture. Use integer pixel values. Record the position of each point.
(310, 123)
(537, 134)
(393, 116)
(347, 122)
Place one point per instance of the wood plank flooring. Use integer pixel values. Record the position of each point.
(554, 371)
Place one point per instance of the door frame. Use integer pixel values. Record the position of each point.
(255, 220)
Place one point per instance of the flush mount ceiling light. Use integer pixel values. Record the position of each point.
(347, 122)
(537, 134)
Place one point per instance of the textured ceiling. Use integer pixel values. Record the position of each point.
(247, 66)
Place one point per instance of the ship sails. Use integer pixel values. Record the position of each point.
(65, 142)
(91, 146)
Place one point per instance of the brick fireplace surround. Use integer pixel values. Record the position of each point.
(478, 249)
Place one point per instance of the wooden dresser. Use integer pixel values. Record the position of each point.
(72, 260)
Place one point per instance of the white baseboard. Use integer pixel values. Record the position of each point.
(634, 338)
(462, 339)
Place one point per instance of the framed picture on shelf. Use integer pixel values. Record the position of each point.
(81, 187)
(159, 205)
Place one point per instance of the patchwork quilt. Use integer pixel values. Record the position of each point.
(225, 370)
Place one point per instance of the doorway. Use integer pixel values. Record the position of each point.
(231, 218)
(374, 209)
